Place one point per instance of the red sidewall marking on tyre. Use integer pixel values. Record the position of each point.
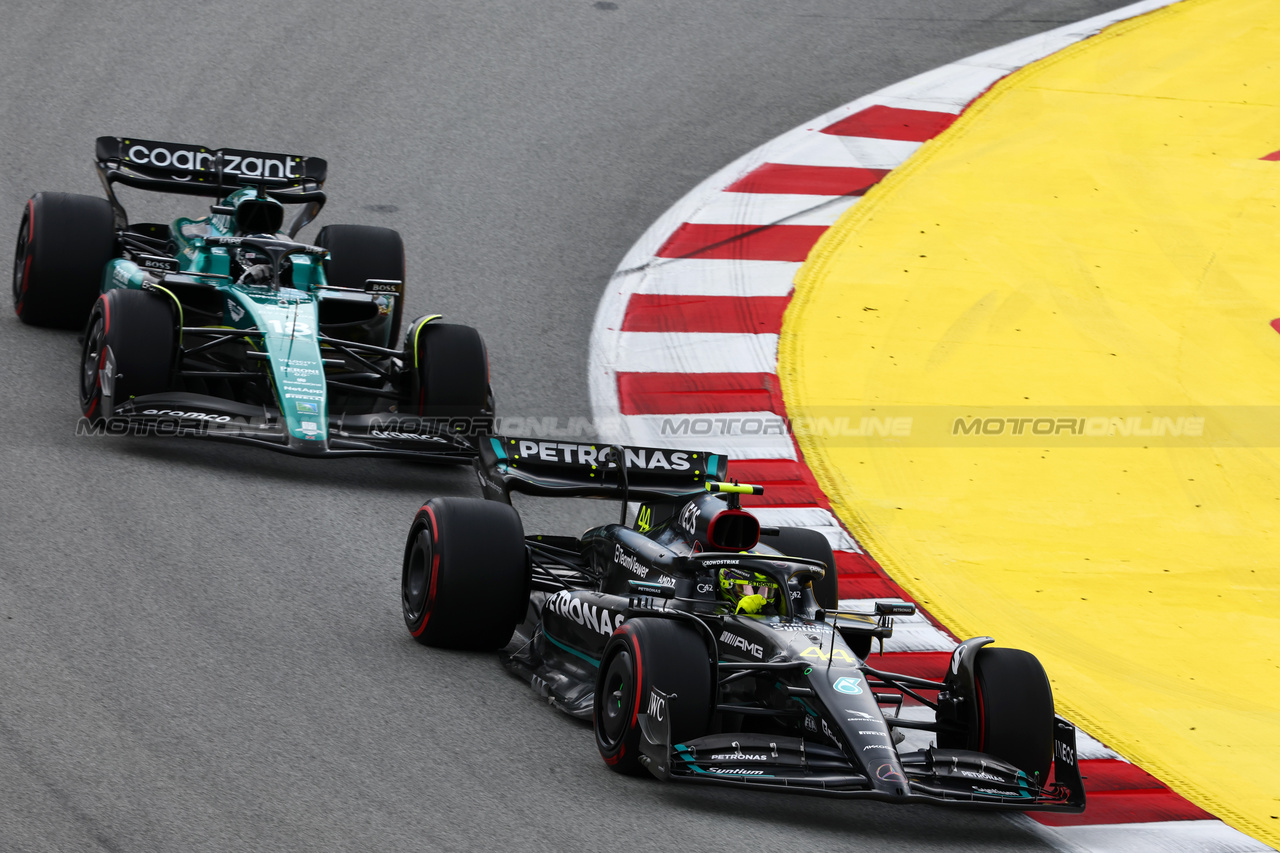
(435, 573)
(635, 648)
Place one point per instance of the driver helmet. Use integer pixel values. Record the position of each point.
(748, 591)
(254, 265)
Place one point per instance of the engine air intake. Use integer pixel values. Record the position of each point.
(733, 530)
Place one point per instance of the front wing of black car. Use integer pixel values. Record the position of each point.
(794, 765)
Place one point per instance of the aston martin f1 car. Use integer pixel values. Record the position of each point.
(706, 648)
(224, 326)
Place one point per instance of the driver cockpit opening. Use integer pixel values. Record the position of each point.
(749, 591)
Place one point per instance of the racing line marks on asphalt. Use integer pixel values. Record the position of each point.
(689, 326)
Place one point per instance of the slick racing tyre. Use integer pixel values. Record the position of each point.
(809, 545)
(358, 253)
(64, 243)
(130, 346)
(644, 654)
(465, 579)
(449, 372)
(1015, 712)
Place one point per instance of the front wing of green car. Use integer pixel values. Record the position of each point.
(202, 416)
(278, 330)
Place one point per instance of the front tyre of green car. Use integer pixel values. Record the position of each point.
(447, 370)
(130, 348)
(358, 253)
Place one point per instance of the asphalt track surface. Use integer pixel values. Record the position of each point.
(200, 646)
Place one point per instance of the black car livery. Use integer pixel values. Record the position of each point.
(705, 648)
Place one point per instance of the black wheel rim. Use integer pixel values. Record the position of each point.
(616, 698)
(20, 259)
(415, 580)
(92, 360)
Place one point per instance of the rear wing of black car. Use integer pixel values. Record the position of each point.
(570, 469)
(212, 172)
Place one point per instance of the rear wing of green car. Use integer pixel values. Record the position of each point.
(571, 469)
(213, 172)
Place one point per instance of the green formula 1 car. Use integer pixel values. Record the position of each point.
(224, 326)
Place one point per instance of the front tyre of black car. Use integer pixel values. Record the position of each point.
(464, 582)
(642, 655)
(1015, 716)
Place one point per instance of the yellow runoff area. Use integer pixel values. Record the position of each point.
(1092, 247)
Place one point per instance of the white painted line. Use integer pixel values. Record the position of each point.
(1015, 55)
(714, 277)
(773, 209)
(1182, 836)
(824, 149)
(696, 352)
(945, 90)
(1088, 748)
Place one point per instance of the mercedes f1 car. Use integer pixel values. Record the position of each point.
(224, 326)
(705, 648)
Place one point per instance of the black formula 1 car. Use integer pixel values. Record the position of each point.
(224, 326)
(707, 649)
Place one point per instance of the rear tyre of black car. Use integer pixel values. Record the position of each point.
(358, 253)
(465, 579)
(809, 545)
(130, 348)
(644, 654)
(1015, 717)
(64, 243)
(449, 375)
